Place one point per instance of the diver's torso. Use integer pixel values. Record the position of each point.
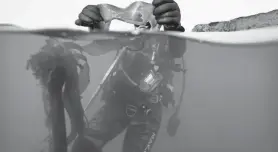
(134, 66)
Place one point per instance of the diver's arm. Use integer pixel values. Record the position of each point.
(177, 28)
(176, 45)
(100, 27)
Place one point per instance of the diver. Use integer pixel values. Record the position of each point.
(126, 106)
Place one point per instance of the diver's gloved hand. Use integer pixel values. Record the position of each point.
(89, 17)
(167, 13)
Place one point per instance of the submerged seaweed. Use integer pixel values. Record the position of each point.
(43, 64)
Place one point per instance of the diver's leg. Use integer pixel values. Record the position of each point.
(143, 129)
(106, 124)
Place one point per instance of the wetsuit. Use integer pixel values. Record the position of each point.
(128, 107)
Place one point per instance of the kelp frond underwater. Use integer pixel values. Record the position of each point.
(56, 67)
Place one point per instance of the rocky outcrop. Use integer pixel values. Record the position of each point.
(9, 27)
(242, 23)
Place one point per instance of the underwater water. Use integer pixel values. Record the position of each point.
(230, 101)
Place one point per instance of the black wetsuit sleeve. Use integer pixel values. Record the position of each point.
(176, 45)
